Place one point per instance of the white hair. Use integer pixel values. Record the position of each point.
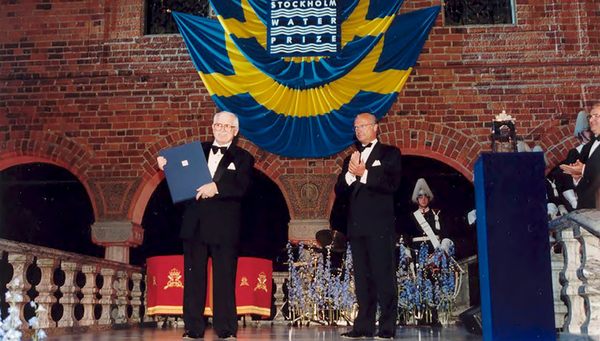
(236, 121)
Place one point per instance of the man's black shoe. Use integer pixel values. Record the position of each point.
(228, 337)
(191, 335)
(384, 336)
(356, 335)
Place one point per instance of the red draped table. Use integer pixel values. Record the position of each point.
(165, 286)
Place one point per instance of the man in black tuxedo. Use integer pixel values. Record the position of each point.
(369, 179)
(586, 170)
(211, 228)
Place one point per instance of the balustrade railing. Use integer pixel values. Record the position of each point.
(77, 292)
(578, 235)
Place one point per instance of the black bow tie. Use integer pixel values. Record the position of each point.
(361, 147)
(215, 149)
(598, 137)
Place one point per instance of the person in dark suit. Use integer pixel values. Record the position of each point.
(369, 179)
(586, 170)
(211, 228)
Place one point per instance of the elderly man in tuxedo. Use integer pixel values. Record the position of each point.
(211, 228)
(586, 170)
(369, 179)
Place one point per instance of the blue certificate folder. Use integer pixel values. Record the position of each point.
(186, 170)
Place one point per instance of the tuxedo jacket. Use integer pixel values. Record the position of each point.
(217, 220)
(587, 188)
(371, 205)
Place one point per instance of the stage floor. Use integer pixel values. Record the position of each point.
(271, 333)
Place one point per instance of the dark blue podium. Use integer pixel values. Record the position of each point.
(514, 253)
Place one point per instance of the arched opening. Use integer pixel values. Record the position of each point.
(46, 205)
(454, 197)
(265, 217)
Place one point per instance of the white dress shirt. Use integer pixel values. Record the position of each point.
(214, 159)
(364, 156)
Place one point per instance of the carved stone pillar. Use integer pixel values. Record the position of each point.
(69, 299)
(570, 290)
(20, 263)
(117, 237)
(304, 230)
(89, 299)
(591, 279)
(311, 201)
(46, 289)
(136, 295)
(122, 300)
(279, 279)
(108, 295)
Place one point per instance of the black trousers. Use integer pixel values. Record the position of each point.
(224, 265)
(375, 278)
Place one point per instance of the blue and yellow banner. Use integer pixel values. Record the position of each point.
(305, 106)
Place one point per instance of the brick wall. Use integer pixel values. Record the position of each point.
(82, 87)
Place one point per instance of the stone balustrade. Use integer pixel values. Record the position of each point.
(77, 292)
(578, 235)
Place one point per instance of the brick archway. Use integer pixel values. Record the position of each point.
(556, 145)
(269, 164)
(435, 141)
(45, 147)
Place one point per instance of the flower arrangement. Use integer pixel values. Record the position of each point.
(9, 326)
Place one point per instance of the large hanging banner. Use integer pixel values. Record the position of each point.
(297, 72)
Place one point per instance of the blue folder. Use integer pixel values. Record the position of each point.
(186, 170)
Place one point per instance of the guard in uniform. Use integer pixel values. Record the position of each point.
(428, 227)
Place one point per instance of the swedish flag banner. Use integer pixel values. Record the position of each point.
(304, 106)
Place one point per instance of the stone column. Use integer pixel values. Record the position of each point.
(304, 230)
(136, 295)
(590, 289)
(89, 292)
(46, 289)
(69, 299)
(571, 282)
(20, 263)
(122, 297)
(279, 279)
(108, 293)
(560, 309)
(117, 237)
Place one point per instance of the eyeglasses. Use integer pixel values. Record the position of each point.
(595, 116)
(363, 126)
(222, 126)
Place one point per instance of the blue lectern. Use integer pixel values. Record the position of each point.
(514, 253)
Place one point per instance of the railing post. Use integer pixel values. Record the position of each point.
(136, 295)
(46, 289)
(89, 291)
(20, 263)
(122, 300)
(146, 318)
(279, 280)
(108, 291)
(69, 298)
(560, 309)
(570, 291)
(590, 289)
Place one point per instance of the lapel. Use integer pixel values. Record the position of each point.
(593, 160)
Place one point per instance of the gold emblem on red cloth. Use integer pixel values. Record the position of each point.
(244, 282)
(262, 282)
(154, 280)
(174, 279)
